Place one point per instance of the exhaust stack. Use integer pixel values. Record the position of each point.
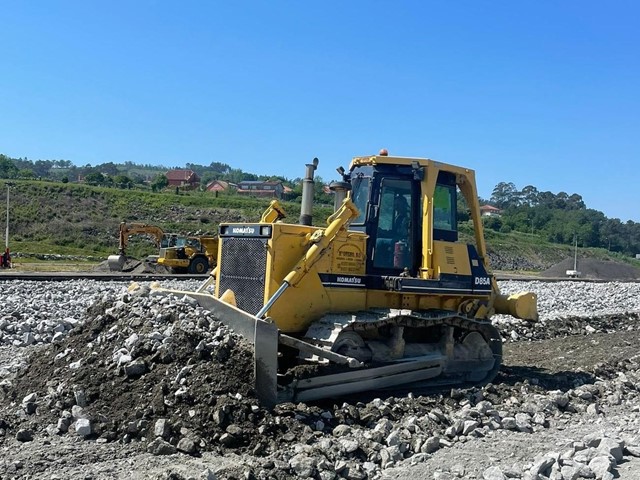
(340, 191)
(306, 209)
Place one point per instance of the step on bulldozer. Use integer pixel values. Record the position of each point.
(386, 296)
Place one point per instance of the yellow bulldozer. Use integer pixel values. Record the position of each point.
(385, 296)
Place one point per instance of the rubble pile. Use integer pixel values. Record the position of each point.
(160, 373)
(593, 269)
(513, 330)
(40, 312)
(577, 299)
(136, 367)
(569, 308)
(513, 263)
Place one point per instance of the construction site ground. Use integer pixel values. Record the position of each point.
(165, 392)
(552, 364)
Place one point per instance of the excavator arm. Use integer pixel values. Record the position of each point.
(116, 262)
(128, 229)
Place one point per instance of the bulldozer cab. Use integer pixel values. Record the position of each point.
(394, 205)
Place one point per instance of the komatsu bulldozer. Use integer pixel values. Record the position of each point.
(385, 296)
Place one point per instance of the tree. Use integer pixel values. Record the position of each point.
(561, 200)
(26, 173)
(122, 181)
(493, 223)
(7, 168)
(505, 195)
(575, 202)
(95, 178)
(546, 199)
(221, 168)
(108, 168)
(529, 195)
(41, 168)
(159, 182)
(235, 175)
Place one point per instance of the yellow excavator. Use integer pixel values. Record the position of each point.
(386, 296)
(118, 262)
(195, 254)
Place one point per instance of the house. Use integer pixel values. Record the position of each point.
(490, 211)
(182, 178)
(261, 189)
(218, 186)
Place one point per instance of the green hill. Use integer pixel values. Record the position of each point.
(54, 218)
(74, 219)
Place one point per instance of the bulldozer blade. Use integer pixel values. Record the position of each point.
(261, 334)
(368, 379)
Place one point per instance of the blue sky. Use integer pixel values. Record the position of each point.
(534, 92)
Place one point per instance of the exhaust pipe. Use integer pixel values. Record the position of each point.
(306, 209)
(340, 190)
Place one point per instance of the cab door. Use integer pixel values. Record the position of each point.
(395, 232)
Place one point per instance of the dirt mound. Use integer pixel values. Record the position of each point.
(130, 365)
(148, 265)
(594, 269)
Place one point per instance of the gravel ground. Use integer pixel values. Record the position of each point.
(98, 382)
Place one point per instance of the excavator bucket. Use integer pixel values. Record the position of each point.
(116, 262)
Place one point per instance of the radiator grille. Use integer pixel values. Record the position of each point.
(242, 269)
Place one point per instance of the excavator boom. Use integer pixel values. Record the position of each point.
(117, 262)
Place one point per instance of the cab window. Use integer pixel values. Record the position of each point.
(393, 235)
(444, 213)
(360, 195)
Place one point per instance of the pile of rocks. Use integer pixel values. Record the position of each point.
(37, 312)
(135, 367)
(161, 373)
(594, 269)
(578, 299)
(570, 308)
(592, 457)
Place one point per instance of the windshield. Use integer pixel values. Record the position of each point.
(360, 187)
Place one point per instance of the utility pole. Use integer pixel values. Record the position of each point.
(574, 273)
(6, 235)
(575, 254)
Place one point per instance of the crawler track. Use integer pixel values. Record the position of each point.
(429, 369)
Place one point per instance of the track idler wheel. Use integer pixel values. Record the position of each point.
(350, 344)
